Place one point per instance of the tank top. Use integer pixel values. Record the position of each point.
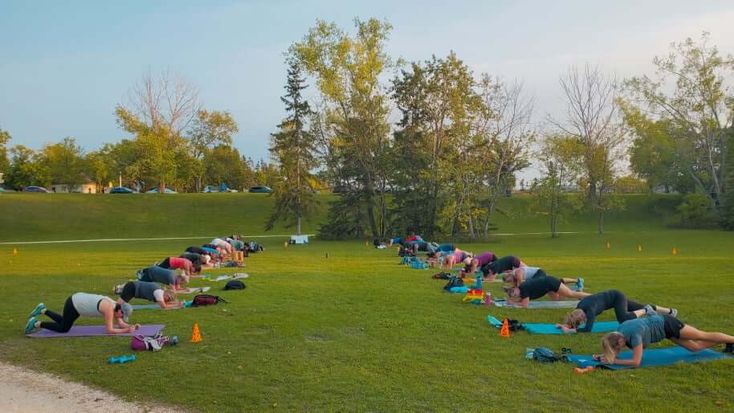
(146, 290)
(87, 304)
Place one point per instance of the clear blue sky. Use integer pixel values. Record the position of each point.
(64, 65)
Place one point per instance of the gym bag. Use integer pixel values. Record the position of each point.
(235, 285)
(206, 299)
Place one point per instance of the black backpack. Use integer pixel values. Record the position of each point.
(454, 281)
(235, 285)
(546, 355)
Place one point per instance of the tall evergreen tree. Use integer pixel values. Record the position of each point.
(293, 148)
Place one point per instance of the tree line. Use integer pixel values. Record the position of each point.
(430, 146)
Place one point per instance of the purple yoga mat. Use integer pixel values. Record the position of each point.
(84, 331)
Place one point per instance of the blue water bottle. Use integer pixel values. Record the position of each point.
(478, 282)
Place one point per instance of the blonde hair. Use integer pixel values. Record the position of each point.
(610, 346)
(575, 318)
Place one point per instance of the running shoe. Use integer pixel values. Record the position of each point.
(38, 310)
(30, 325)
(674, 312)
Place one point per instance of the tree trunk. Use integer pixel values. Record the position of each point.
(600, 221)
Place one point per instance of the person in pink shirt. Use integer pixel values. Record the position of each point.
(178, 263)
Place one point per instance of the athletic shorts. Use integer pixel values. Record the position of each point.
(672, 326)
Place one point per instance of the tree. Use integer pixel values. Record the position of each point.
(347, 71)
(690, 94)
(294, 149)
(591, 117)
(210, 129)
(223, 165)
(433, 144)
(159, 111)
(506, 136)
(4, 162)
(64, 162)
(561, 160)
(727, 210)
(26, 168)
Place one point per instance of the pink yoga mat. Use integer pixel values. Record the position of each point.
(84, 331)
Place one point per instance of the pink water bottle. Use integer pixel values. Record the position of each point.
(488, 298)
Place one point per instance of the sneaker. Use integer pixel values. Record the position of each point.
(649, 311)
(30, 325)
(729, 348)
(674, 312)
(579, 284)
(38, 310)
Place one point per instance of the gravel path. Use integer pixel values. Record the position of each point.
(22, 390)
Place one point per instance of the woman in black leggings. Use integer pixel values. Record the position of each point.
(83, 304)
(590, 307)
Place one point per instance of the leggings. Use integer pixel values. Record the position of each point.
(61, 324)
(624, 308)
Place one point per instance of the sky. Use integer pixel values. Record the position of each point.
(65, 65)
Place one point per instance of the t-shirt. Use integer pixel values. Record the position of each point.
(539, 286)
(148, 290)
(159, 275)
(530, 272)
(193, 257)
(459, 256)
(503, 264)
(644, 330)
(179, 263)
(596, 304)
(87, 304)
(196, 250)
(485, 258)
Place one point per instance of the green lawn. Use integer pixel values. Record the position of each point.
(355, 331)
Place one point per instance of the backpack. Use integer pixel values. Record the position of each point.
(235, 285)
(152, 343)
(546, 355)
(454, 281)
(206, 299)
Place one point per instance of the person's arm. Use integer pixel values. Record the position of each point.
(523, 303)
(636, 357)
(588, 324)
(108, 310)
(566, 329)
(519, 276)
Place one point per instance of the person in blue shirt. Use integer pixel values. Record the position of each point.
(639, 333)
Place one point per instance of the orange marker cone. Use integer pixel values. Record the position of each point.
(609, 245)
(196, 334)
(505, 330)
(639, 248)
(15, 251)
(582, 370)
(675, 251)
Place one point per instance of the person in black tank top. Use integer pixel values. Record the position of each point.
(540, 286)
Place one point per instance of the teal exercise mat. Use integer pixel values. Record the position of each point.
(652, 358)
(548, 328)
(137, 307)
(539, 304)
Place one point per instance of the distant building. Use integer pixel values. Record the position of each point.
(86, 188)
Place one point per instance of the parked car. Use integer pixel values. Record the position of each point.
(121, 190)
(260, 189)
(34, 188)
(165, 191)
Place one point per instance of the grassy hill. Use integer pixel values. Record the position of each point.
(32, 217)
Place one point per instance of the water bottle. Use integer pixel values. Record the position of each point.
(478, 282)
(488, 298)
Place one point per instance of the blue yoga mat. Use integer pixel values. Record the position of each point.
(539, 304)
(652, 358)
(547, 328)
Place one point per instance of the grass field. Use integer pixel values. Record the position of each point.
(352, 330)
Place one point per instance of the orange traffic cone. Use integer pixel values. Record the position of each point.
(609, 245)
(639, 248)
(505, 330)
(675, 251)
(196, 334)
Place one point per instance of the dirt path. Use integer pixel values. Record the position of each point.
(23, 390)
